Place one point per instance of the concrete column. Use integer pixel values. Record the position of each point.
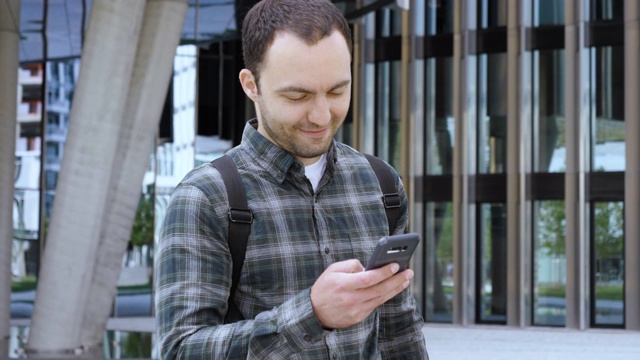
(632, 174)
(159, 37)
(83, 189)
(9, 63)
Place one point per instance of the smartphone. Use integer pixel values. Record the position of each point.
(394, 248)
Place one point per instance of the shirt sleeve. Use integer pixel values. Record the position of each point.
(401, 334)
(193, 278)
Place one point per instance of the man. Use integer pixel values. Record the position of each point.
(317, 216)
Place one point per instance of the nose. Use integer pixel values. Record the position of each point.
(320, 114)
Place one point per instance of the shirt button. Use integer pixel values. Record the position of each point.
(334, 356)
(326, 250)
(307, 338)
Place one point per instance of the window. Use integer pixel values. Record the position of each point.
(491, 274)
(607, 281)
(549, 263)
(435, 149)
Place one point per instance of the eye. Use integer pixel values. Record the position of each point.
(295, 97)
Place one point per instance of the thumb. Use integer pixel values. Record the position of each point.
(346, 266)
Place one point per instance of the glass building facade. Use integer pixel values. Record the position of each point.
(505, 119)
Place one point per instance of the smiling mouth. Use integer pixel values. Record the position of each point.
(315, 133)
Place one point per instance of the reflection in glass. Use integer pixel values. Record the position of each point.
(117, 344)
(493, 13)
(129, 345)
(369, 121)
(608, 153)
(492, 263)
(389, 22)
(548, 12)
(439, 17)
(549, 263)
(549, 121)
(367, 129)
(175, 156)
(492, 113)
(62, 77)
(388, 105)
(383, 104)
(134, 285)
(608, 264)
(607, 9)
(440, 280)
(18, 336)
(440, 121)
(25, 251)
(209, 21)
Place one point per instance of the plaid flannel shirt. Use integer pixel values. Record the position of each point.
(296, 234)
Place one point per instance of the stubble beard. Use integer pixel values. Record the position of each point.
(286, 137)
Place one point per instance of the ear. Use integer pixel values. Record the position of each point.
(248, 82)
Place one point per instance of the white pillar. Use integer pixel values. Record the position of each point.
(83, 189)
(9, 63)
(159, 37)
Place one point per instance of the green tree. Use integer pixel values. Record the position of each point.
(142, 231)
(609, 232)
(137, 345)
(551, 227)
(609, 229)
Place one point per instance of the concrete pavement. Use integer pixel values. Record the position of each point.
(502, 343)
(448, 342)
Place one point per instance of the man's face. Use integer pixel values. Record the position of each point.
(304, 93)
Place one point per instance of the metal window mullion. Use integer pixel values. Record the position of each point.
(632, 173)
(424, 269)
(529, 105)
(463, 210)
(516, 256)
(359, 78)
(407, 118)
(406, 103)
(576, 79)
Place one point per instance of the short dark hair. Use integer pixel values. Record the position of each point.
(310, 20)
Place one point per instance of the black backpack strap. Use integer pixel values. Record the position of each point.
(240, 219)
(390, 196)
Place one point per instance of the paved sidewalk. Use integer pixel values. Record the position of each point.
(448, 342)
(502, 343)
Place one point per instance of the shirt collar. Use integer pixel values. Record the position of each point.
(272, 158)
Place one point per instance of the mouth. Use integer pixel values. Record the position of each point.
(315, 133)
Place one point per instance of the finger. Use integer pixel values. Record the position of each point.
(347, 266)
(387, 290)
(396, 283)
(373, 277)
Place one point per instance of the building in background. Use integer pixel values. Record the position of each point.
(510, 136)
(26, 218)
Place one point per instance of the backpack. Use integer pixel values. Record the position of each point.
(240, 216)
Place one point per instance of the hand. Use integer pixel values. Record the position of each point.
(345, 295)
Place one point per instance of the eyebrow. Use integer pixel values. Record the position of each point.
(299, 89)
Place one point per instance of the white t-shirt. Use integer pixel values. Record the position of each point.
(314, 171)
